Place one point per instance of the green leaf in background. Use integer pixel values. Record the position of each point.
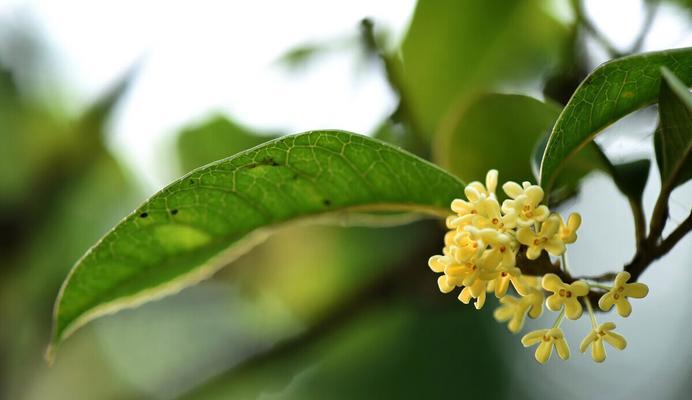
(442, 346)
(673, 137)
(200, 223)
(494, 131)
(452, 49)
(630, 177)
(612, 91)
(585, 161)
(215, 139)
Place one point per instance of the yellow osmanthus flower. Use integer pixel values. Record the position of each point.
(500, 283)
(568, 231)
(565, 295)
(619, 293)
(480, 256)
(523, 208)
(545, 239)
(475, 291)
(546, 340)
(597, 336)
(515, 309)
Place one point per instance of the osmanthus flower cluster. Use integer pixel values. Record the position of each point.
(480, 256)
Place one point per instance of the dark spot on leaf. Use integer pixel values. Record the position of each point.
(192, 181)
(174, 211)
(143, 215)
(327, 202)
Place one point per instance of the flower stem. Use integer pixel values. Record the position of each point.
(598, 285)
(565, 267)
(594, 324)
(558, 321)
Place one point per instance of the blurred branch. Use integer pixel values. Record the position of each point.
(649, 16)
(584, 21)
(639, 220)
(404, 112)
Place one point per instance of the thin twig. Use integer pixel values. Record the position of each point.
(660, 214)
(639, 220)
(650, 15)
(586, 23)
(404, 111)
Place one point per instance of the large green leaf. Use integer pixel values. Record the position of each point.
(673, 138)
(477, 140)
(612, 91)
(200, 223)
(456, 48)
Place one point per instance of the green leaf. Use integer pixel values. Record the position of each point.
(452, 51)
(612, 91)
(585, 161)
(213, 140)
(477, 140)
(673, 137)
(203, 221)
(630, 177)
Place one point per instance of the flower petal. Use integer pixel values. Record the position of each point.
(554, 246)
(533, 252)
(472, 194)
(533, 337)
(579, 288)
(437, 264)
(574, 222)
(636, 290)
(534, 193)
(525, 236)
(491, 180)
(616, 340)
(504, 313)
(552, 283)
(540, 213)
(501, 286)
(573, 309)
(624, 307)
(598, 352)
(554, 302)
(621, 278)
(465, 295)
(480, 301)
(606, 302)
(606, 326)
(562, 348)
(444, 286)
(543, 352)
(512, 189)
(587, 341)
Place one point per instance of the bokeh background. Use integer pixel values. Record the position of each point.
(103, 103)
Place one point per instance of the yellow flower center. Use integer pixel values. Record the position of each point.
(564, 293)
(538, 241)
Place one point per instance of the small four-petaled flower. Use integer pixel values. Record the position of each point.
(619, 293)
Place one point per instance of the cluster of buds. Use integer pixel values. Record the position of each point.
(480, 256)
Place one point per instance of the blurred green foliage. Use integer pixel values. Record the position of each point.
(454, 49)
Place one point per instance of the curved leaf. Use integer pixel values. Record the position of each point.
(201, 222)
(673, 137)
(612, 91)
